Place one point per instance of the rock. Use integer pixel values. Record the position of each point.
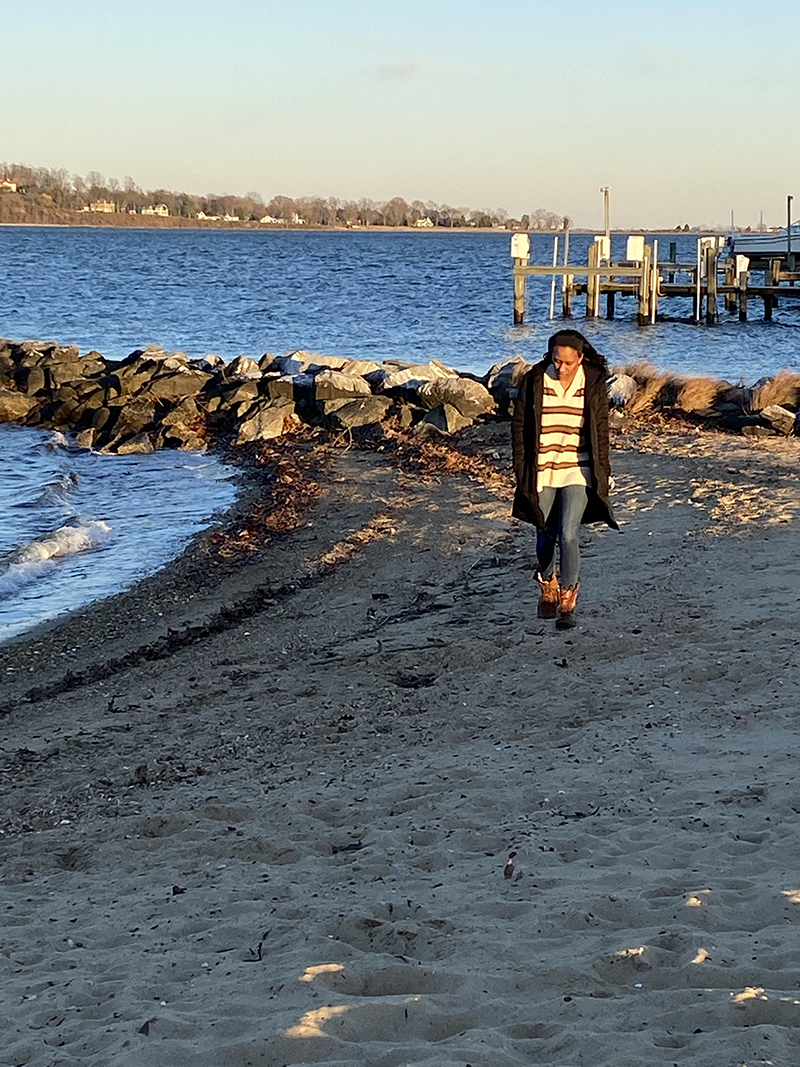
(125, 419)
(298, 387)
(264, 422)
(503, 380)
(779, 418)
(445, 419)
(140, 443)
(182, 414)
(210, 363)
(15, 406)
(738, 423)
(85, 438)
(236, 392)
(185, 440)
(333, 385)
(621, 388)
(360, 367)
(31, 380)
(758, 430)
(242, 369)
(405, 382)
(315, 364)
(290, 364)
(168, 386)
(363, 412)
(468, 397)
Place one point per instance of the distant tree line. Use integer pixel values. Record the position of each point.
(44, 187)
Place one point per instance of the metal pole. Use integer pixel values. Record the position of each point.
(789, 200)
(606, 209)
(553, 282)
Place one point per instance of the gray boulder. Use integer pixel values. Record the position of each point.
(264, 422)
(468, 397)
(139, 444)
(781, 419)
(15, 406)
(334, 385)
(243, 368)
(622, 388)
(443, 419)
(365, 411)
(176, 384)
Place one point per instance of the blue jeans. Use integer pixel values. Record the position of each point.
(562, 524)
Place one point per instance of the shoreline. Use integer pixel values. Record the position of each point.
(310, 805)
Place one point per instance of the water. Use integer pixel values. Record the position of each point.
(377, 296)
(78, 526)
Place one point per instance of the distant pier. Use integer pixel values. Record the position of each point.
(715, 279)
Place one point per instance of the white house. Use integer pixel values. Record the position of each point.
(157, 209)
(424, 223)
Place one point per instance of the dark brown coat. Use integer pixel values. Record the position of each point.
(526, 426)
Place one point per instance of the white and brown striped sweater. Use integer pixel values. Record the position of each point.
(563, 452)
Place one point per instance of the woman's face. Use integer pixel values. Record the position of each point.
(566, 362)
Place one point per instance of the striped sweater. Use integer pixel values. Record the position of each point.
(563, 452)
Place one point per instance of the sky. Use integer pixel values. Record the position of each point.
(686, 110)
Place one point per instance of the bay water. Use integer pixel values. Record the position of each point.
(76, 526)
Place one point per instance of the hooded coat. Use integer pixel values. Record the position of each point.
(526, 426)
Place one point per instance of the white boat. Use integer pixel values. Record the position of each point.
(765, 245)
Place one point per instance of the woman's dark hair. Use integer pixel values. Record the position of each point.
(573, 339)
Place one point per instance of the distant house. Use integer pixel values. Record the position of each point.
(208, 218)
(296, 220)
(269, 220)
(157, 209)
(424, 223)
(231, 218)
(7, 187)
(103, 207)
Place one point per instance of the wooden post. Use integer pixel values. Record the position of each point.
(643, 316)
(698, 284)
(769, 281)
(744, 278)
(610, 303)
(519, 293)
(673, 256)
(711, 286)
(553, 279)
(566, 279)
(730, 282)
(654, 285)
(591, 281)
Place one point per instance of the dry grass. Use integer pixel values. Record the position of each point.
(783, 389)
(698, 394)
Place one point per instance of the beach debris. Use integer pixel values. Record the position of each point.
(508, 870)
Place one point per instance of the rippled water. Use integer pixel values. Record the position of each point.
(389, 295)
(78, 526)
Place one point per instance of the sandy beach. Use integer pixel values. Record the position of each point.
(256, 812)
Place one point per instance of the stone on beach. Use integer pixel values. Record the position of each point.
(362, 412)
(443, 419)
(334, 385)
(779, 418)
(468, 397)
(15, 406)
(264, 421)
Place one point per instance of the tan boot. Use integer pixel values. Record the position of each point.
(568, 601)
(549, 597)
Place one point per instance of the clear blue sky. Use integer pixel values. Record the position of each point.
(687, 110)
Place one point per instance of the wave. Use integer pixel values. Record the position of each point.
(56, 493)
(39, 557)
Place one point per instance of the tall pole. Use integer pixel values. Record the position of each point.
(789, 200)
(606, 212)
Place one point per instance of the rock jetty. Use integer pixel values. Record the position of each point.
(154, 399)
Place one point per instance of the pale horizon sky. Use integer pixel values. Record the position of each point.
(683, 109)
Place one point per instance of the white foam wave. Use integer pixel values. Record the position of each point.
(36, 559)
(56, 441)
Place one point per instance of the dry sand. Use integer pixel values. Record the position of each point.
(279, 838)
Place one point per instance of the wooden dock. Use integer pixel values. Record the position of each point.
(715, 278)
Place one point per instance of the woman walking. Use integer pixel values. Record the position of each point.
(560, 443)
